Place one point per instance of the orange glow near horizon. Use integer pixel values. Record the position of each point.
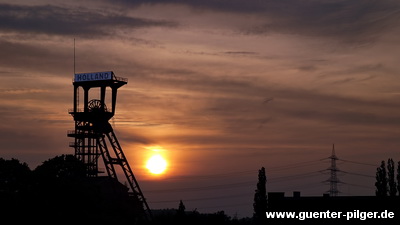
(156, 163)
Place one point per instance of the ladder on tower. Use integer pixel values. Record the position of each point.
(120, 160)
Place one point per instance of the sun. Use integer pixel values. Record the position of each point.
(156, 164)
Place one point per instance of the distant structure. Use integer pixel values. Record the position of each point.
(94, 136)
(333, 180)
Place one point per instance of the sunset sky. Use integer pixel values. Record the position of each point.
(219, 88)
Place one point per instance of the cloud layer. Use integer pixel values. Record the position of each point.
(57, 20)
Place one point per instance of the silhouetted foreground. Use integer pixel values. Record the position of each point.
(58, 192)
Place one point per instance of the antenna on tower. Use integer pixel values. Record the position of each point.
(74, 56)
(333, 180)
(77, 91)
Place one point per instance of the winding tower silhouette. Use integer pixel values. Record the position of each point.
(94, 135)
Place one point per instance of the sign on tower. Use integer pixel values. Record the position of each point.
(82, 77)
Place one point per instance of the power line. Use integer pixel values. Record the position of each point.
(214, 175)
(235, 185)
(202, 199)
(359, 163)
(188, 189)
(358, 174)
(311, 185)
(362, 186)
(226, 206)
(246, 183)
(333, 180)
(234, 174)
(294, 165)
(273, 179)
(294, 177)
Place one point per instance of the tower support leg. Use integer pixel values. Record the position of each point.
(123, 162)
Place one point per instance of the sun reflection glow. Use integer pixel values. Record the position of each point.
(156, 164)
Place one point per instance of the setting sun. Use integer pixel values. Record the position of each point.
(156, 164)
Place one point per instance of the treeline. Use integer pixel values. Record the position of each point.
(58, 192)
(386, 178)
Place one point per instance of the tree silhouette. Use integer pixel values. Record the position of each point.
(63, 166)
(15, 183)
(391, 177)
(14, 176)
(180, 214)
(398, 177)
(381, 180)
(181, 209)
(260, 198)
(62, 194)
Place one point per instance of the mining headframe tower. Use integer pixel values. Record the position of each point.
(94, 136)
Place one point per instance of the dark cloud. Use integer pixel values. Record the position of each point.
(354, 21)
(249, 6)
(240, 53)
(17, 54)
(349, 21)
(356, 73)
(131, 137)
(56, 20)
(307, 68)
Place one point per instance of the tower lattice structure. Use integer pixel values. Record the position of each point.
(94, 137)
(333, 179)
